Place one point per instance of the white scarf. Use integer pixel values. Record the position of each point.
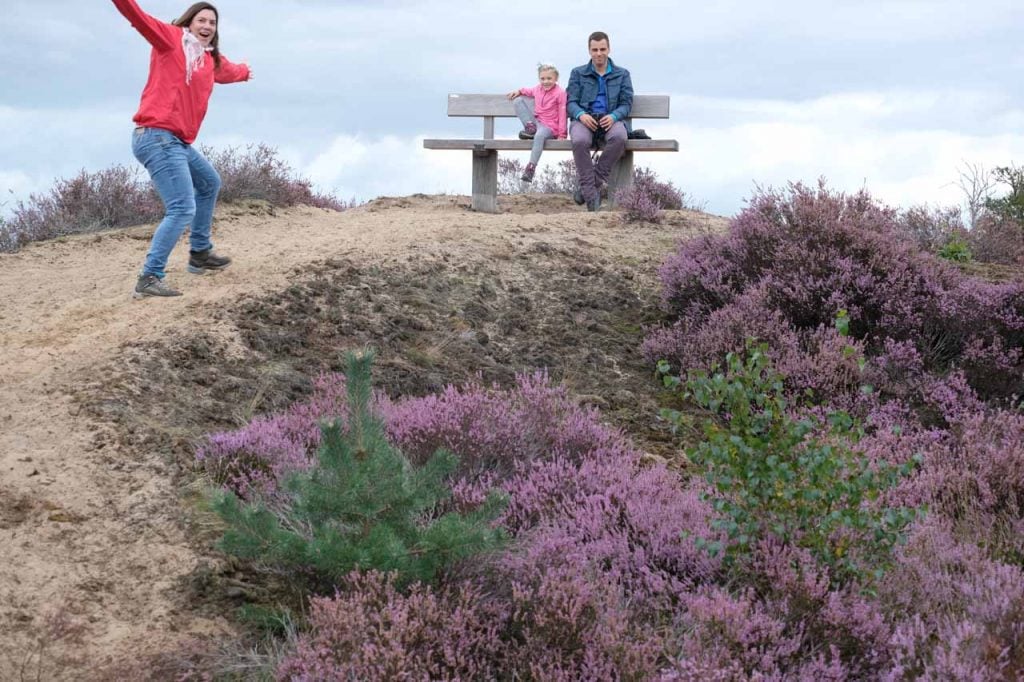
(195, 54)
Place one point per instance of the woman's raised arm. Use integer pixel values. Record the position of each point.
(161, 35)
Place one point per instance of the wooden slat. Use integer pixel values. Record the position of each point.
(644, 106)
(553, 145)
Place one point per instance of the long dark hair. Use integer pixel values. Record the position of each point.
(190, 14)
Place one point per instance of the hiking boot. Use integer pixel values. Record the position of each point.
(594, 204)
(577, 196)
(200, 262)
(151, 285)
(528, 172)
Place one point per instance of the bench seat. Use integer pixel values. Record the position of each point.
(554, 145)
(485, 150)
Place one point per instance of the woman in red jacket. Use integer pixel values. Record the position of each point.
(183, 66)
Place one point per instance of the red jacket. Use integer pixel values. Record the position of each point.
(169, 100)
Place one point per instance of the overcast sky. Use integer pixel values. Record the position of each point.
(894, 95)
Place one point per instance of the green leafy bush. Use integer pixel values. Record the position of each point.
(956, 249)
(797, 480)
(361, 506)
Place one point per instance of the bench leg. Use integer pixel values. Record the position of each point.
(622, 176)
(485, 180)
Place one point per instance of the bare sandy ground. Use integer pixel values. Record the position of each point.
(92, 539)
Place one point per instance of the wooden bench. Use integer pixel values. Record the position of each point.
(485, 150)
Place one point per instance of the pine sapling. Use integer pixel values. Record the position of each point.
(361, 506)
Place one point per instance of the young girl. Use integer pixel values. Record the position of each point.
(542, 111)
(183, 66)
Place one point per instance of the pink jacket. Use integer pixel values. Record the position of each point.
(549, 107)
(174, 99)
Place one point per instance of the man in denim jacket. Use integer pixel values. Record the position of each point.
(600, 96)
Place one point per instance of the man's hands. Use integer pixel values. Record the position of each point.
(592, 123)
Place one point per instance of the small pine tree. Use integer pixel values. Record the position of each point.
(362, 506)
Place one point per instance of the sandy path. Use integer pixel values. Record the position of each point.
(97, 534)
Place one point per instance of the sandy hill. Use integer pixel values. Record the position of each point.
(106, 551)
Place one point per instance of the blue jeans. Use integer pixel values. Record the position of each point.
(524, 107)
(188, 185)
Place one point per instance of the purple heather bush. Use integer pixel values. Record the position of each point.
(559, 178)
(258, 172)
(88, 202)
(645, 199)
(371, 631)
(932, 227)
(792, 261)
(123, 196)
(966, 610)
(997, 239)
(494, 431)
(637, 206)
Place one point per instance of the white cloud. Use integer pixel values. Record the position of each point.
(353, 165)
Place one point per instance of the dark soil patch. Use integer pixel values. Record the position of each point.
(434, 322)
(15, 508)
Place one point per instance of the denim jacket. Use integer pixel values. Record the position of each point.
(582, 90)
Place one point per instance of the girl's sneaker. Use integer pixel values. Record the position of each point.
(528, 172)
(528, 131)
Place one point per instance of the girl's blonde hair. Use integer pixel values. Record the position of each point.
(544, 66)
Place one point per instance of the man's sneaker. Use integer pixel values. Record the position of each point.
(528, 172)
(526, 135)
(206, 261)
(594, 204)
(577, 196)
(151, 285)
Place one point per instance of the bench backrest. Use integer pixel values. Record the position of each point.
(494, 106)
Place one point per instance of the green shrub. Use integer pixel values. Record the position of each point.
(956, 249)
(361, 506)
(797, 480)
